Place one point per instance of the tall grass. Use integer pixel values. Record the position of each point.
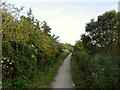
(102, 70)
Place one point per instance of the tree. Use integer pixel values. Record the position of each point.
(78, 46)
(46, 29)
(55, 38)
(101, 34)
(26, 49)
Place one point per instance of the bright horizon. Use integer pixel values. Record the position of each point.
(66, 19)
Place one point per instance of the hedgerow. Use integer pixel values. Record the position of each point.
(27, 47)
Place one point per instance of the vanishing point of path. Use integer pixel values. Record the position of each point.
(63, 78)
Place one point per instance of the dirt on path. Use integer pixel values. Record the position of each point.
(63, 78)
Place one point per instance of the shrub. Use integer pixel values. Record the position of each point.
(26, 46)
(102, 69)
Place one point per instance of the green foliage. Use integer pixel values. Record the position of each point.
(27, 47)
(78, 76)
(118, 32)
(67, 47)
(43, 78)
(97, 52)
(101, 70)
(101, 34)
(78, 46)
(17, 82)
(105, 72)
(84, 59)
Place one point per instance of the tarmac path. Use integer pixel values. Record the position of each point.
(63, 78)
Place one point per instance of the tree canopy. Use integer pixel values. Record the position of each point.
(101, 34)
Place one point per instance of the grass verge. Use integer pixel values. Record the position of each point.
(77, 75)
(43, 79)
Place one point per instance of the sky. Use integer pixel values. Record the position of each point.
(67, 18)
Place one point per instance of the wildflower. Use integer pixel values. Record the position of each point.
(2, 61)
(4, 58)
(10, 63)
(8, 60)
(32, 56)
(33, 46)
(73, 84)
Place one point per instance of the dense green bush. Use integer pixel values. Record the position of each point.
(97, 52)
(27, 48)
(83, 58)
(102, 70)
(105, 73)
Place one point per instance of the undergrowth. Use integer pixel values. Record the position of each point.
(98, 71)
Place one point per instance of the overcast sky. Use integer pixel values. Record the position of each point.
(67, 19)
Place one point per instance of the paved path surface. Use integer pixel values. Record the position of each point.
(64, 78)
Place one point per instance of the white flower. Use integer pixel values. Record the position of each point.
(32, 56)
(33, 46)
(8, 60)
(73, 84)
(4, 58)
(2, 61)
(10, 63)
